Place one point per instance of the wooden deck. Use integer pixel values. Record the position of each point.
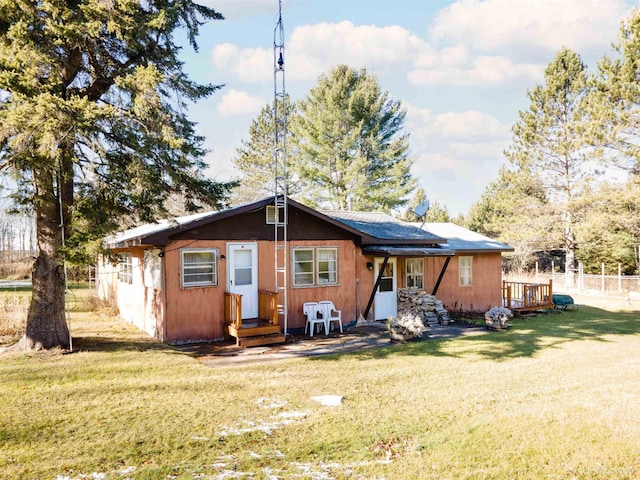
(263, 330)
(521, 297)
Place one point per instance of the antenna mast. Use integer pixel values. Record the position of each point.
(280, 168)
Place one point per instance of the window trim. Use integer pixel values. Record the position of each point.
(415, 275)
(125, 268)
(214, 268)
(270, 213)
(467, 269)
(315, 266)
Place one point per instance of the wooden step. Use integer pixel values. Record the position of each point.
(261, 340)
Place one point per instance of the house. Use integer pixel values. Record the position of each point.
(201, 277)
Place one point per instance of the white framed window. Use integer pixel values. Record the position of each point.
(466, 271)
(125, 272)
(327, 263)
(199, 267)
(414, 272)
(315, 266)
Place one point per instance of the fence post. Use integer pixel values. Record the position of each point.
(602, 287)
(580, 277)
(619, 277)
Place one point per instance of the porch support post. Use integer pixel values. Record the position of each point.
(375, 287)
(444, 269)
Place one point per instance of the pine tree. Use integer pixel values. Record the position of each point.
(514, 209)
(351, 152)
(615, 101)
(93, 127)
(255, 159)
(549, 140)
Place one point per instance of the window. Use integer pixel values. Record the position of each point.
(327, 265)
(199, 267)
(415, 273)
(315, 266)
(126, 268)
(465, 271)
(271, 214)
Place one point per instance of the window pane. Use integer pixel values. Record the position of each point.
(195, 258)
(415, 272)
(242, 258)
(303, 255)
(303, 279)
(327, 265)
(199, 267)
(243, 276)
(465, 270)
(386, 285)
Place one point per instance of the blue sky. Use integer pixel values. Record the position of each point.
(460, 68)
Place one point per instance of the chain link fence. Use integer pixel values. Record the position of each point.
(587, 284)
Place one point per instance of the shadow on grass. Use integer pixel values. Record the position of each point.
(526, 336)
(118, 344)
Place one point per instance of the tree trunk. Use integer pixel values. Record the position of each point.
(570, 258)
(46, 324)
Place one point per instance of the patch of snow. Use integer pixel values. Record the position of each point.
(270, 403)
(328, 400)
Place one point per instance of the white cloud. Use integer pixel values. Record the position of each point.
(499, 25)
(236, 103)
(248, 64)
(469, 125)
(315, 49)
(458, 153)
(483, 70)
(221, 167)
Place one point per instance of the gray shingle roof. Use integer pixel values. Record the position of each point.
(461, 239)
(384, 227)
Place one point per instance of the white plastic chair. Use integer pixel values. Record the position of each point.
(330, 314)
(311, 309)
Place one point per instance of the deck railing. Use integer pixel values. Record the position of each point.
(233, 309)
(527, 296)
(268, 306)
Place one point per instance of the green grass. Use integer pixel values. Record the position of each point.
(555, 396)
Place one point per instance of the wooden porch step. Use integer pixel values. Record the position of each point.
(261, 340)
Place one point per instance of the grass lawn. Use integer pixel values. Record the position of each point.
(556, 396)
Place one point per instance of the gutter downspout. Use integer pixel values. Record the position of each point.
(376, 285)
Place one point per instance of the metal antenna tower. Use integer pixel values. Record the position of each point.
(280, 168)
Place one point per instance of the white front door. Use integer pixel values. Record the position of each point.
(386, 298)
(242, 264)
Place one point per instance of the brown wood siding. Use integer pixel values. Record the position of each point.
(252, 226)
(193, 313)
(485, 291)
(198, 313)
(342, 295)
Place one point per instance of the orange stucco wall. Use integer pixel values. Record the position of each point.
(198, 313)
(175, 314)
(484, 292)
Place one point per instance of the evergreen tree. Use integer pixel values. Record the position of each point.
(92, 126)
(549, 141)
(437, 213)
(255, 158)
(608, 227)
(615, 100)
(514, 209)
(351, 152)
